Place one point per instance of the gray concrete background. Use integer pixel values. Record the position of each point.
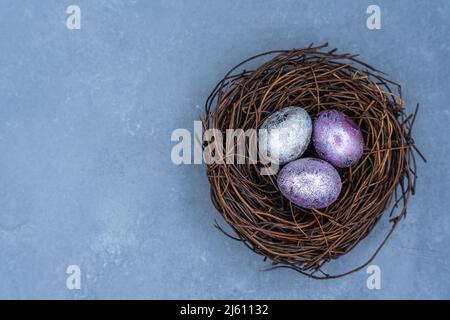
(85, 123)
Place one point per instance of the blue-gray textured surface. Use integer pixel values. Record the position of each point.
(85, 123)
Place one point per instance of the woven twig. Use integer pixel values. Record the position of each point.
(385, 177)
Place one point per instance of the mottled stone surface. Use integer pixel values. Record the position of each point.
(337, 138)
(285, 134)
(310, 183)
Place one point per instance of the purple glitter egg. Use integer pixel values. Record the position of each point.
(337, 138)
(310, 183)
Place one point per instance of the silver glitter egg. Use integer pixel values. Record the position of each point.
(285, 135)
(310, 183)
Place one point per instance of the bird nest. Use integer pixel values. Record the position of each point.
(382, 181)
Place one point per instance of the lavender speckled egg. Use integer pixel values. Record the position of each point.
(310, 183)
(285, 134)
(337, 138)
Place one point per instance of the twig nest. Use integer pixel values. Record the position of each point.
(337, 138)
(286, 232)
(285, 134)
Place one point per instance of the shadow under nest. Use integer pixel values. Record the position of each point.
(383, 180)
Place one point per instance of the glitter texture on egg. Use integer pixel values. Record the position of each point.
(249, 199)
(337, 138)
(310, 183)
(285, 134)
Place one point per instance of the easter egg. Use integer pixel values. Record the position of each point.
(337, 138)
(310, 183)
(285, 134)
